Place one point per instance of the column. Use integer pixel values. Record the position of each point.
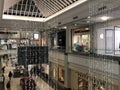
(1, 8)
(119, 75)
(46, 37)
(67, 82)
(68, 40)
(40, 38)
(92, 40)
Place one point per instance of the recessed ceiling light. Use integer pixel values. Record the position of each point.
(104, 18)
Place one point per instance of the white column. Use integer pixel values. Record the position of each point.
(1, 8)
(68, 40)
(68, 50)
(119, 75)
(67, 82)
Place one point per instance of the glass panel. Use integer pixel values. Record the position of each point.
(117, 40)
(81, 42)
(109, 42)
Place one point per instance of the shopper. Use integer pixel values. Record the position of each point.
(3, 78)
(8, 86)
(7, 62)
(3, 69)
(10, 75)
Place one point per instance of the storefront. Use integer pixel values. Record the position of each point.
(44, 38)
(82, 81)
(57, 39)
(98, 84)
(52, 39)
(61, 74)
(81, 39)
(110, 39)
(53, 71)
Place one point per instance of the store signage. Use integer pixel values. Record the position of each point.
(81, 30)
(36, 36)
(83, 75)
(93, 79)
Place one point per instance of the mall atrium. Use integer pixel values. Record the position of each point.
(60, 44)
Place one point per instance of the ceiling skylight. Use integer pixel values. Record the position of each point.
(38, 10)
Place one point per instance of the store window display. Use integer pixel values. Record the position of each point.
(61, 75)
(82, 81)
(81, 40)
(97, 87)
(24, 42)
(98, 84)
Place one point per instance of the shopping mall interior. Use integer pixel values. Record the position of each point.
(60, 44)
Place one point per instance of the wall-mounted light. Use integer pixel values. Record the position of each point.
(101, 36)
(65, 27)
(104, 18)
(36, 36)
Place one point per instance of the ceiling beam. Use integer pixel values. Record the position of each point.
(29, 7)
(26, 5)
(21, 8)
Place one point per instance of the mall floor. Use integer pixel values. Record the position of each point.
(15, 82)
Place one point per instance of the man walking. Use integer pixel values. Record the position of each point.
(10, 75)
